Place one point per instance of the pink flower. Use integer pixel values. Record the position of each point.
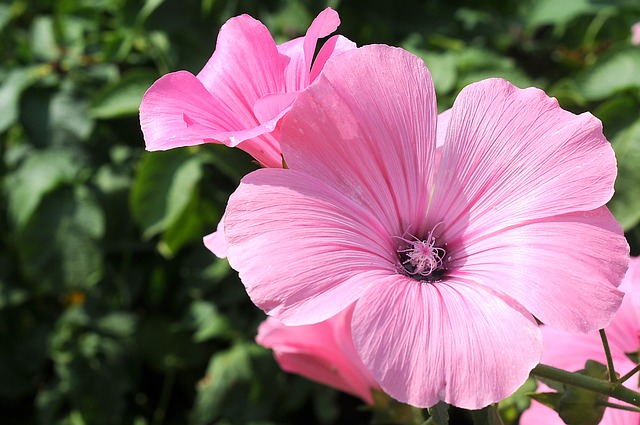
(447, 268)
(571, 351)
(635, 34)
(242, 92)
(323, 352)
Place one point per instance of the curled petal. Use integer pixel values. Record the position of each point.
(323, 352)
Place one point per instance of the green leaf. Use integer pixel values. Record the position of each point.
(163, 189)
(14, 83)
(68, 119)
(208, 321)
(559, 13)
(614, 73)
(196, 220)
(58, 246)
(43, 39)
(625, 204)
(227, 369)
(117, 324)
(42, 172)
(124, 96)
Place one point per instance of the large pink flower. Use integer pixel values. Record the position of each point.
(447, 268)
(242, 92)
(323, 352)
(571, 351)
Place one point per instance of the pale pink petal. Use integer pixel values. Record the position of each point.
(539, 264)
(303, 250)
(514, 155)
(330, 48)
(443, 125)
(624, 331)
(245, 66)
(272, 107)
(178, 111)
(372, 135)
(216, 241)
(635, 34)
(450, 341)
(302, 49)
(166, 109)
(539, 414)
(323, 352)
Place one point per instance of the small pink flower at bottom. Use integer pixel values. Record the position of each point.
(635, 34)
(448, 265)
(571, 351)
(242, 92)
(323, 352)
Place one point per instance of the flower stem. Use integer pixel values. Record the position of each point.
(607, 353)
(630, 374)
(600, 386)
(620, 406)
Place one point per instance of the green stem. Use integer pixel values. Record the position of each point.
(630, 374)
(611, 389)
(607, 353)
(619, 406)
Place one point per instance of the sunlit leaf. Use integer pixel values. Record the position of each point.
(42, 172)
(163, 188)
(123, 97)
(625, 204)
(615, 73)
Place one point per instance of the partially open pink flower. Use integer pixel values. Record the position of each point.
(323, 352)
(242, 92)
(447, 268)
(571, 351)
(635, 34)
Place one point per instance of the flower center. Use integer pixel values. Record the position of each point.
(421, 259)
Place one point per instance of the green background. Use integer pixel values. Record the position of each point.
(111, 309)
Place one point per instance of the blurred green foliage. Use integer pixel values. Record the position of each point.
(111, 309)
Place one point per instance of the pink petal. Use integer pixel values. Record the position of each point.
(245, 66)
(539, 264)
(302, 49)
(178, 111)
(372, 134)
(309, 254)
(323, 352)
(330, 48)
(624, 331)
(635, 34)
(514, 155)
(450, 341)
(272, 107)
(216, 241)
